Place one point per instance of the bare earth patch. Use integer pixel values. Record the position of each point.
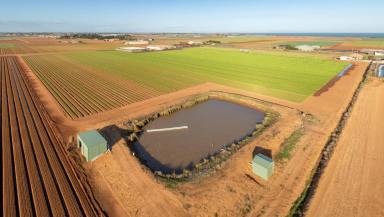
(352, 184)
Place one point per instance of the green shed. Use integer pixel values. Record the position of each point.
(263, 166)
(92, 144)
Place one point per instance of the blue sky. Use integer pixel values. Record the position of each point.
(206, 16)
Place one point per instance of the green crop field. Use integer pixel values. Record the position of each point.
(6, 38)
(314, 43)
(372, 43)
(6, 45)
(283, 75)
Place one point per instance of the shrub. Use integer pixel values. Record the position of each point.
(289, 144)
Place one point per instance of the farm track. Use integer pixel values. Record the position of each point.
(352, 182)
(81, 92)
(38, 177)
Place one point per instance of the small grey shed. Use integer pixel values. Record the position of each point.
(92, 144)
(263, 166)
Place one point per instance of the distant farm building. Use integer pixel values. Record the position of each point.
(160, 47)
(282, 47)
(380, 71)
(303, 47)
(346, 58)
(110, 39)
(138, 42)
(263, 166)
(372, 52)
(307, 48)
(194, 42)
(357, 56)
(92, 144)
(132, 49)
(70, 41)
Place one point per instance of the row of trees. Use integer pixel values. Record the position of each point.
(97, 36)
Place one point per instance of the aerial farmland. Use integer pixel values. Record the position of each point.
(176, 118)
(231, 105)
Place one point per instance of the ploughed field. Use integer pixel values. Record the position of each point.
(31, 45)
(38, 178)
(352, 184)
(89, 82)
(82, 91)
(211, 126)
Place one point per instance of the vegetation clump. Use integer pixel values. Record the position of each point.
(289, 144)
(97, 36)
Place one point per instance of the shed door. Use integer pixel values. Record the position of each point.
(85, 152)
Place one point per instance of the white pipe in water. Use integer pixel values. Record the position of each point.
(167, 129)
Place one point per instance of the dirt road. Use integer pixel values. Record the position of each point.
(131, 192)
(353, 182)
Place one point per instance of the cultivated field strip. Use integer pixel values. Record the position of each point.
(38, 177)
(86, 83)
(82, 92)
(268, 73)
(20, 49)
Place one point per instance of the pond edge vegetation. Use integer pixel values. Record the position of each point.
(213, 162)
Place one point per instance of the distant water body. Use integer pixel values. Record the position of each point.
(357, 35)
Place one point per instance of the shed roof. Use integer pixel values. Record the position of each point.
(91, 138)
(263, 160)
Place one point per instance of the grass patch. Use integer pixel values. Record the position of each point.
(6, 38)
(370, 43)
(289, 144)
(281, 75)
(6, 45)
(314, 43)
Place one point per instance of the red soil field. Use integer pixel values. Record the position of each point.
(352, 183)
(38, 177)
(37, 45)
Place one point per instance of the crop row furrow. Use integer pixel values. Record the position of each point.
(81, 90)
(65, 85)
(48, 181)
(60, 153)
(22, 184)
(63, 93)
(56, 169)
(121, 90)
(39, 178)
(10, 206)
(85, 92)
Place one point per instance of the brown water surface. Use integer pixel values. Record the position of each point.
(211, 125)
